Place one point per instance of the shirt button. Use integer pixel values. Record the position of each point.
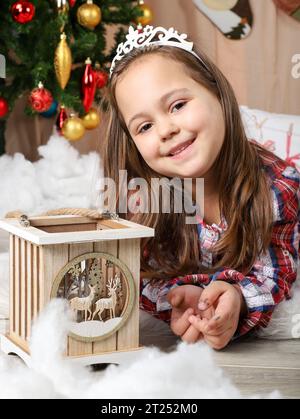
(286, 253)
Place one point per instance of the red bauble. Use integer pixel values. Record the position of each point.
(61, 118)
(40, 99)
(101, 78)
(88, 86)
(3, 107)
(22, 11)
(72, 3)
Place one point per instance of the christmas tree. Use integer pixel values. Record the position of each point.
(31, 42)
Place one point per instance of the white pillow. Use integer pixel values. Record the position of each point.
(285, 321)
(277, 132)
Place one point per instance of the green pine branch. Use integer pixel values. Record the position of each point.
(30, 48)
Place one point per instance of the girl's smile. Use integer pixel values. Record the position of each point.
(182, 150)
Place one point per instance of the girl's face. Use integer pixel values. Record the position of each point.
(176, 123)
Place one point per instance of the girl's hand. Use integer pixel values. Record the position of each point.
(184, 301)
(229, 306)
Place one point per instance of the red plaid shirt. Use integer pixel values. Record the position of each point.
(270, 279)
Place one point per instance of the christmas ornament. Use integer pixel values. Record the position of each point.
(291, 7)
(147, 16)
(72, 3)
(40, 99)
(51, 111)
(63, 61)
(61, 118)
(73, 128)
(3, 107)
(234, 18)
(62, 6)
(88, 86)
(22, 11)
(89, 15)
(91, 120)
(101, 77)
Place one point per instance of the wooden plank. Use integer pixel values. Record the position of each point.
(17, 293)
(29, 280)
(87, 236)
(12, 279)
(23, 292)
(109, 344)
(263, 381)
(129, 253)
(19, 341)
(111, 224)
(259, 366)
(76, 347)
(40, 237)
(31, 234)
(52, 260)
(35, 282)
(261, 353)
(69, 228)
(60, 220)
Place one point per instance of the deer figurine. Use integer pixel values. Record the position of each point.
(84, 303)
(110, 302)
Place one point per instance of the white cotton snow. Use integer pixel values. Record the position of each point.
(61, 178)
(187, 372)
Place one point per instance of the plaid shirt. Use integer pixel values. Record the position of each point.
(270, 279)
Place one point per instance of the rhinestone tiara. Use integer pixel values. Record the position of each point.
(141, 37)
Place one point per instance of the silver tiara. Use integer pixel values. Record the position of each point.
(141, 37)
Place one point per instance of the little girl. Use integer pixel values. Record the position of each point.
(174, 114)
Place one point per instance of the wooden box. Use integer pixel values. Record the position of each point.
(94, 264)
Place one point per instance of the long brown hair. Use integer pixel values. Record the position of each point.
(244, 200)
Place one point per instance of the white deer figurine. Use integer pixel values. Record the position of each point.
(110, 302)
(84, 303)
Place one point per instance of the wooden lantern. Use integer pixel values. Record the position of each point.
(95, 265)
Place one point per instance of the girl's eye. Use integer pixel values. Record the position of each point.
(144, 128)
(178, 106)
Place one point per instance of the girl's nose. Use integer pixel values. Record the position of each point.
(167, 130)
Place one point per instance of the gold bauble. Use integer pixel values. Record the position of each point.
(73, 128)
(89, 15)
(147, 16)
(63, 62)
(92, 119)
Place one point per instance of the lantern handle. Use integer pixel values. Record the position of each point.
(84, 212)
